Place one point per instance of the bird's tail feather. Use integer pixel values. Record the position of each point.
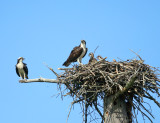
(66, 63)
(27, 77)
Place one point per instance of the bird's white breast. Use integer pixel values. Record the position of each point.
(21, 71)
(20, 65)
(84, 50)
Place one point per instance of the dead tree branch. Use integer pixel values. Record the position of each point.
(40, 80)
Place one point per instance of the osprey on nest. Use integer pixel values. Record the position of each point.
(21, 68)
(92, 60)
(99, 57)
(77, 54)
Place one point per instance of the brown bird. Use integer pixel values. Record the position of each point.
(92, 60)
(77, 54)
(99, 57)
(21, 68)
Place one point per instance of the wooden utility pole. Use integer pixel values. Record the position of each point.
(115, 112)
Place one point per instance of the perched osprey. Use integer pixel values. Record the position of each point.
(21, 68)
(99, 57)
(77, 54)
(92, 59)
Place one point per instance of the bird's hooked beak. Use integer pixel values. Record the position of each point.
(83, 41)
(21, 58)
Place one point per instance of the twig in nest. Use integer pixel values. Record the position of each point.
(95, 49)
(137, 55)
(89, 70)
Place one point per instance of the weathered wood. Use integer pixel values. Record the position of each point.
(40, 80)
(115, 112)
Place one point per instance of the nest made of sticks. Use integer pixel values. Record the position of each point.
(103, 78)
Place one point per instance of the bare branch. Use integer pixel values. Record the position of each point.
(40, 80)
(137, 55)
(95, 49)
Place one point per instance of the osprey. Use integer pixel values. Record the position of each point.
(77, 54)
(92, 59)
(99, 57)
(21, 68)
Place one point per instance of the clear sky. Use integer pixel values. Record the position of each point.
(45, 31)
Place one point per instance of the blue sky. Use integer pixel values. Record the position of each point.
(45, 31)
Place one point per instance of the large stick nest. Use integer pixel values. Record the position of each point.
(89, 81)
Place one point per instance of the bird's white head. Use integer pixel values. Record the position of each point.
(91, 54)
(20, 59)
(99, 57)
(83, 43)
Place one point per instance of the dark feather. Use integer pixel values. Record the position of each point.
(17, 71)
(75, 53)
(92, 59)
(26, 69)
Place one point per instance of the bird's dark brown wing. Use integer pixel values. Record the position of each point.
(25, 68)
(17, 71)
(92, 60)
(75, 53)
